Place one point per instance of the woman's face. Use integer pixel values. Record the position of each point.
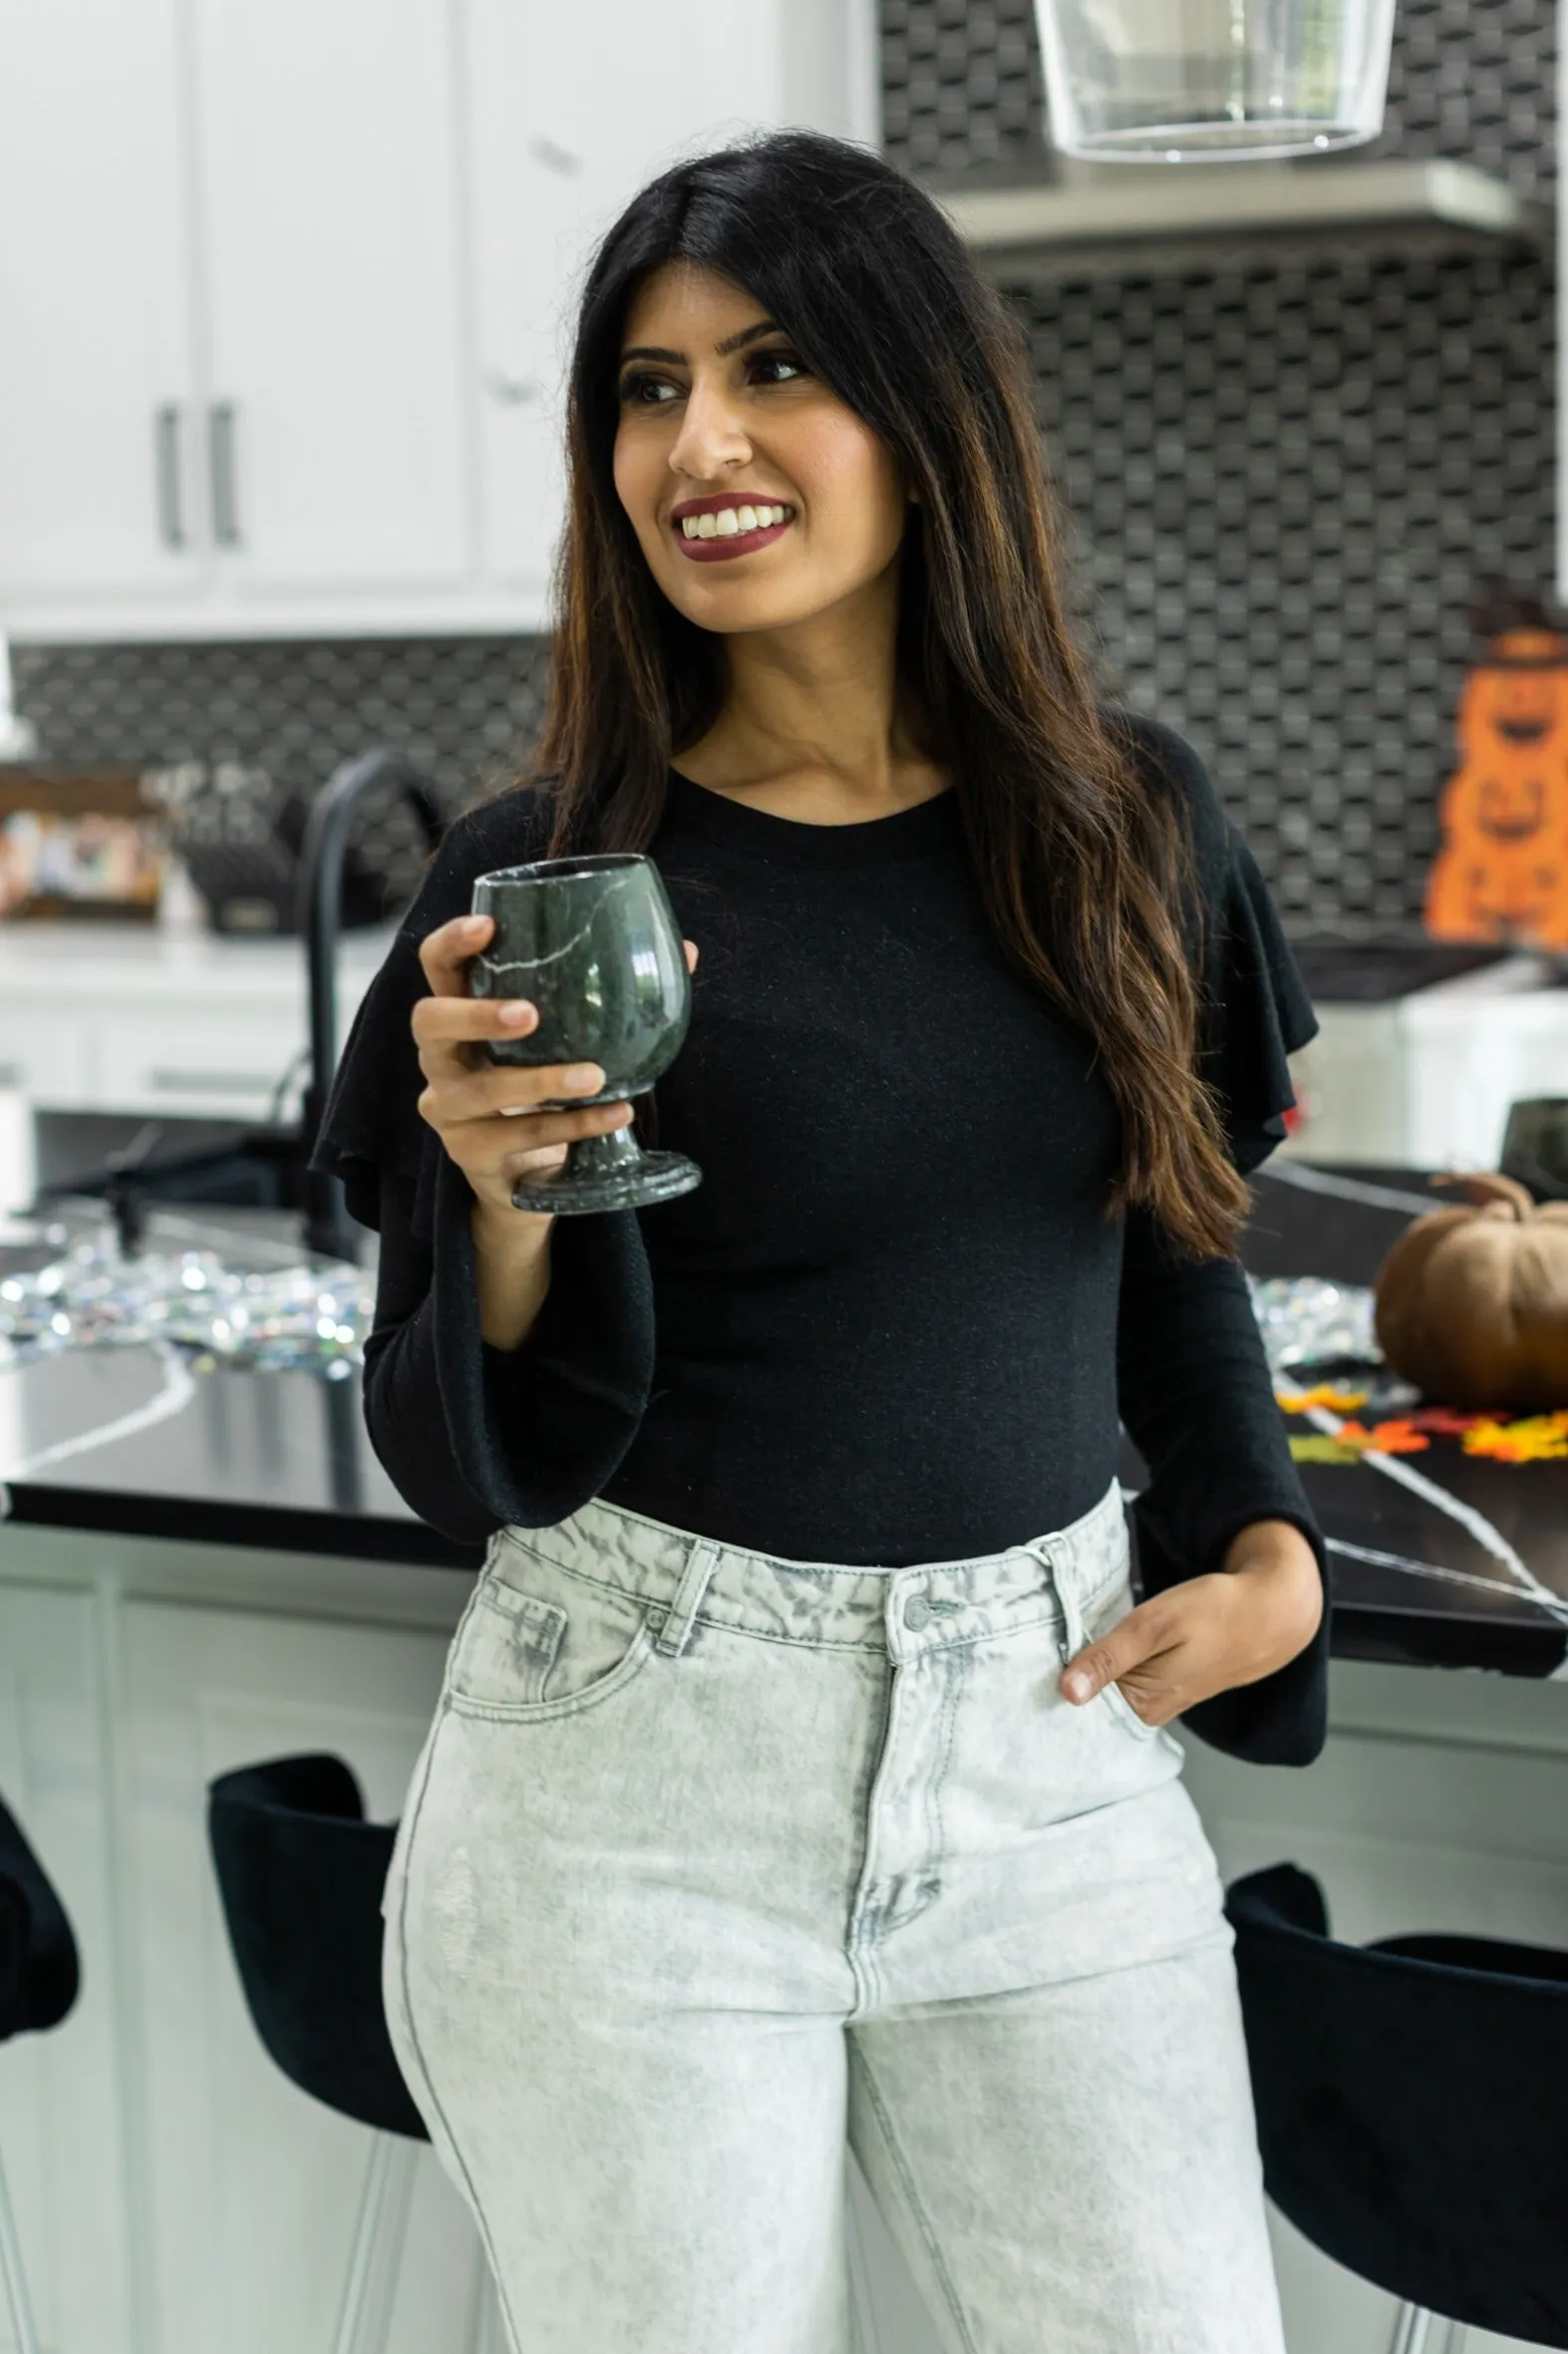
(719, 417)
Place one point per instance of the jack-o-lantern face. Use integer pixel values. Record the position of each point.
(1517, 701)
(1509, 809)
(1502, 873)
(1526, 709)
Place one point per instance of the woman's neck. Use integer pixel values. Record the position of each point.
(814, 725)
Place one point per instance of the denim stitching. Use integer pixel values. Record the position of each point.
(857, 2058)
(423, 2066)
(935, 1830)
(993, 1634)
(570, 1703)
(514, 1534)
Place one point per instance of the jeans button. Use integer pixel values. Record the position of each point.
(917, 1613)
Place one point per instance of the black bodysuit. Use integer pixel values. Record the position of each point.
(892, 1324)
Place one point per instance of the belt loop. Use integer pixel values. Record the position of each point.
(1064, 1567)
(701, 1562)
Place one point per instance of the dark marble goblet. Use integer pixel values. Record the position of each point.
(594, 944)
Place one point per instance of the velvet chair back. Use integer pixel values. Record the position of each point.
(1412, 2105)
(300, 1872)
(39, 1973)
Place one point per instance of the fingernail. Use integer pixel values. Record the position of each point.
(471, 923)
(584, 1075)
(516, 1011)
(1076, 1686)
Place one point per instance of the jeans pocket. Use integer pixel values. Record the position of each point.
(1104, 1611)
(541, 1642)
(1125, 1714)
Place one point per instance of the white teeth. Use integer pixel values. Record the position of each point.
(724, 521)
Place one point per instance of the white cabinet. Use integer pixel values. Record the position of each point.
(284, 282)
(245, 2166)
(571, 110)
(97, 485)
(329, 207)
(98, 1018)
(63, 2117)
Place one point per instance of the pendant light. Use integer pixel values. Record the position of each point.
(1213, 81)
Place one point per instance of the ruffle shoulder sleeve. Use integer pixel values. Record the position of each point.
(1254, 1010)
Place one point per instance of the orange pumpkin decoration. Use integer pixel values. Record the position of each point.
(1472, 1304)
(1502, 871)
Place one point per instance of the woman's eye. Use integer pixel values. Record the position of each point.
(635, 388)
(782, 359)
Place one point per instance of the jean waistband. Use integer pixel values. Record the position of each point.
(928, 1604)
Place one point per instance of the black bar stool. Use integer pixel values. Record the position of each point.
(40, 1975)
(1412, 2109)
(300, 1872)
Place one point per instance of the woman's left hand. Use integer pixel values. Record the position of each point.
(1210, 1633)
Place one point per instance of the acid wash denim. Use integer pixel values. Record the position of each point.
(712, 1861)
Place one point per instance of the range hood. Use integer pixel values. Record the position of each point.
(1100, 206)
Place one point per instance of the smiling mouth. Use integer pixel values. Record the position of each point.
(719, 544)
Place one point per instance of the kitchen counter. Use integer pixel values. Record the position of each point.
(1441, 1557)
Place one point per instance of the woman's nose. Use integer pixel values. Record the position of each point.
(711, 437)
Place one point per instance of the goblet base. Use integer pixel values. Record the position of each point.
(652, 1176)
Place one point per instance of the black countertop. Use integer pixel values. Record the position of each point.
(1439, 1555)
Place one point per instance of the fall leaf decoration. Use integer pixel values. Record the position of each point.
(1540, 1438)
(1473, 1303)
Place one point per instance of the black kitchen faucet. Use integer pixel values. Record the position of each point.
(328, 1227)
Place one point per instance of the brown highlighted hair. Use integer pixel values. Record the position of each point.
(1081, 857)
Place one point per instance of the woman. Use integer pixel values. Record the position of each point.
(801, 1767)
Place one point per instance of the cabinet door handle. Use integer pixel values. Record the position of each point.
(166, 462)
(225, 500)
(211, 1083)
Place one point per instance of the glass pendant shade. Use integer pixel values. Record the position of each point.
(1206, 80)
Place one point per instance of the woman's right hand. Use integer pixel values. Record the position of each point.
(485, 1113)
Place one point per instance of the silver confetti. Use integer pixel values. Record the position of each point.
(1307, 1320)
(279, 1320)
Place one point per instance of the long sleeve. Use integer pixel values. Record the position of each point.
(1193, 1382)
(474, 1438)
(1197, 1401)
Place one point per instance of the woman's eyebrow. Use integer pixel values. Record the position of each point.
(722, 351)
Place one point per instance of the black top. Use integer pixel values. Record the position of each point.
(894, 1323)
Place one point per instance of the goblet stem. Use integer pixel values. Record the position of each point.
(610, 1171)
(613, 1155)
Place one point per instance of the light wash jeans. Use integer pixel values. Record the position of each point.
(712, 1861)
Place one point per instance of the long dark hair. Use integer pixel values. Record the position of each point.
(1082, 860)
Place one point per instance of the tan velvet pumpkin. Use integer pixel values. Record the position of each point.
(1472, 1304)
